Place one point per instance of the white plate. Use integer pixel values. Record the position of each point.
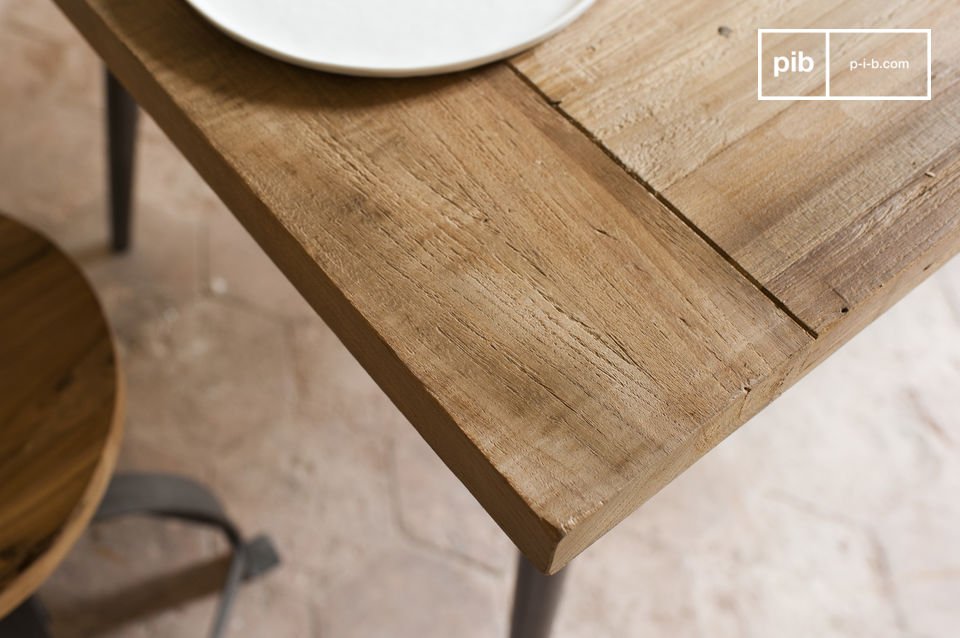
(392, 38)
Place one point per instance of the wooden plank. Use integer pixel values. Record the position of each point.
(564, 342)
(825, 204)
(61, 409)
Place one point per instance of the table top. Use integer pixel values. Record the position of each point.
(60, 409)
(576, 271)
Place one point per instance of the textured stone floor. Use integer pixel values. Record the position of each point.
(835, 513)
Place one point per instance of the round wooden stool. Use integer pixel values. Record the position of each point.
(61, 401)
(61, 409)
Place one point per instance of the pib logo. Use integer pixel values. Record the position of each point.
(796, 62)
(829, 64)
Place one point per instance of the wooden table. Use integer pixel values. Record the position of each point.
(577, 271)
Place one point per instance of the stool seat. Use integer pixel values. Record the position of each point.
(61, 403)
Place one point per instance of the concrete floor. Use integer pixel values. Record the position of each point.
(835, 513)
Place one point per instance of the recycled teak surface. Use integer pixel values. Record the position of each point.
(577, 271)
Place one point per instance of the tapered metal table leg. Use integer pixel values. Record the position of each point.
(122, 115)
(535, 601)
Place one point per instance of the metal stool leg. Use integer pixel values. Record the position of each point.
(535, 601)
(29, 620)
(169, 496)
(122, 116)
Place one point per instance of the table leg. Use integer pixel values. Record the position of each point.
(122, 115)
(535, 601)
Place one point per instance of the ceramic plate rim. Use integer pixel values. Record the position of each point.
(409, 71)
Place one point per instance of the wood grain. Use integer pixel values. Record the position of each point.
(827, 205)
(562, 340)
(60, 409)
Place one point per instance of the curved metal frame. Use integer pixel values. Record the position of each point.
(164, 496)
(170, 496)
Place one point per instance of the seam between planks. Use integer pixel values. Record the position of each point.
(555, 105)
